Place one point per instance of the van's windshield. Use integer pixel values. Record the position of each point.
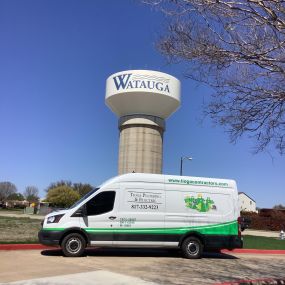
(84, 197)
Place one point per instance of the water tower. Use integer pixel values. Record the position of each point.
(142, 99)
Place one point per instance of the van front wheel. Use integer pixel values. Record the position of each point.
(192, 248)
(73, 245)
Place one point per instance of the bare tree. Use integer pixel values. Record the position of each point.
(31, 194)
(238, 48)
(279, 207)
(6, 189)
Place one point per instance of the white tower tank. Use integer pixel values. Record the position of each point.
(142, 99)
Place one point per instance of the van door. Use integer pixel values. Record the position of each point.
(101, 217)
(141, 215)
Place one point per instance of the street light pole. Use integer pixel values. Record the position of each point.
(181, 162)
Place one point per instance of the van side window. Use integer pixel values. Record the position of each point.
(101, 203)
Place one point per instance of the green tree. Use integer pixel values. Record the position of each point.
(81, 188)
(16, 197)
(59, 183)
(31, 194)
(62, 196)
(6, 189)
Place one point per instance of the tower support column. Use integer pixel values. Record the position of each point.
(141, 144)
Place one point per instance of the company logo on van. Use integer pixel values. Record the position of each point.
(141, 81)
(200, 204)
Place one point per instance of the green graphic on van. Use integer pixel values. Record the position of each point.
(200, 204)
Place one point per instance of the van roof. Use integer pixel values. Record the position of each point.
(172, 179)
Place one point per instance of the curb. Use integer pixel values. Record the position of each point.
(44, 247)
(254, 251)
(24, 247)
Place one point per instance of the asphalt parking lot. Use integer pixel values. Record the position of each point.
(126, 266)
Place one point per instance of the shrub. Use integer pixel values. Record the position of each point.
(267, 219)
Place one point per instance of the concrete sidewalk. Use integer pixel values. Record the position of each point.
(274, 234)
(21, 215)
(99, 277)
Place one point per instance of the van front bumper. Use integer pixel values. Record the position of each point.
(49, 237)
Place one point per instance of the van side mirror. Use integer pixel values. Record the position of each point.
(81, 212)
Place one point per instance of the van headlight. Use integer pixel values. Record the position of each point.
(54, 219)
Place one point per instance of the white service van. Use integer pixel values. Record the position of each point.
(150, 210)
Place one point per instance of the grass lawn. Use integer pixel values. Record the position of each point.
(257, 242)
(11, 211)
(19, 230)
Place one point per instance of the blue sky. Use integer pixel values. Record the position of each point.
(55, 57)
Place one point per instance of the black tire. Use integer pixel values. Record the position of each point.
(192, 248)
(73, 245)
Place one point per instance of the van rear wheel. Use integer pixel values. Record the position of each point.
(192, 248)
(73, 245)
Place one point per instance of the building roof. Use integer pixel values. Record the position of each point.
(246, 195)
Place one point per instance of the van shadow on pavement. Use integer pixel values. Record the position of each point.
(134, 252)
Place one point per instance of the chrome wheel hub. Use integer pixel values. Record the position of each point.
(73, 245)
